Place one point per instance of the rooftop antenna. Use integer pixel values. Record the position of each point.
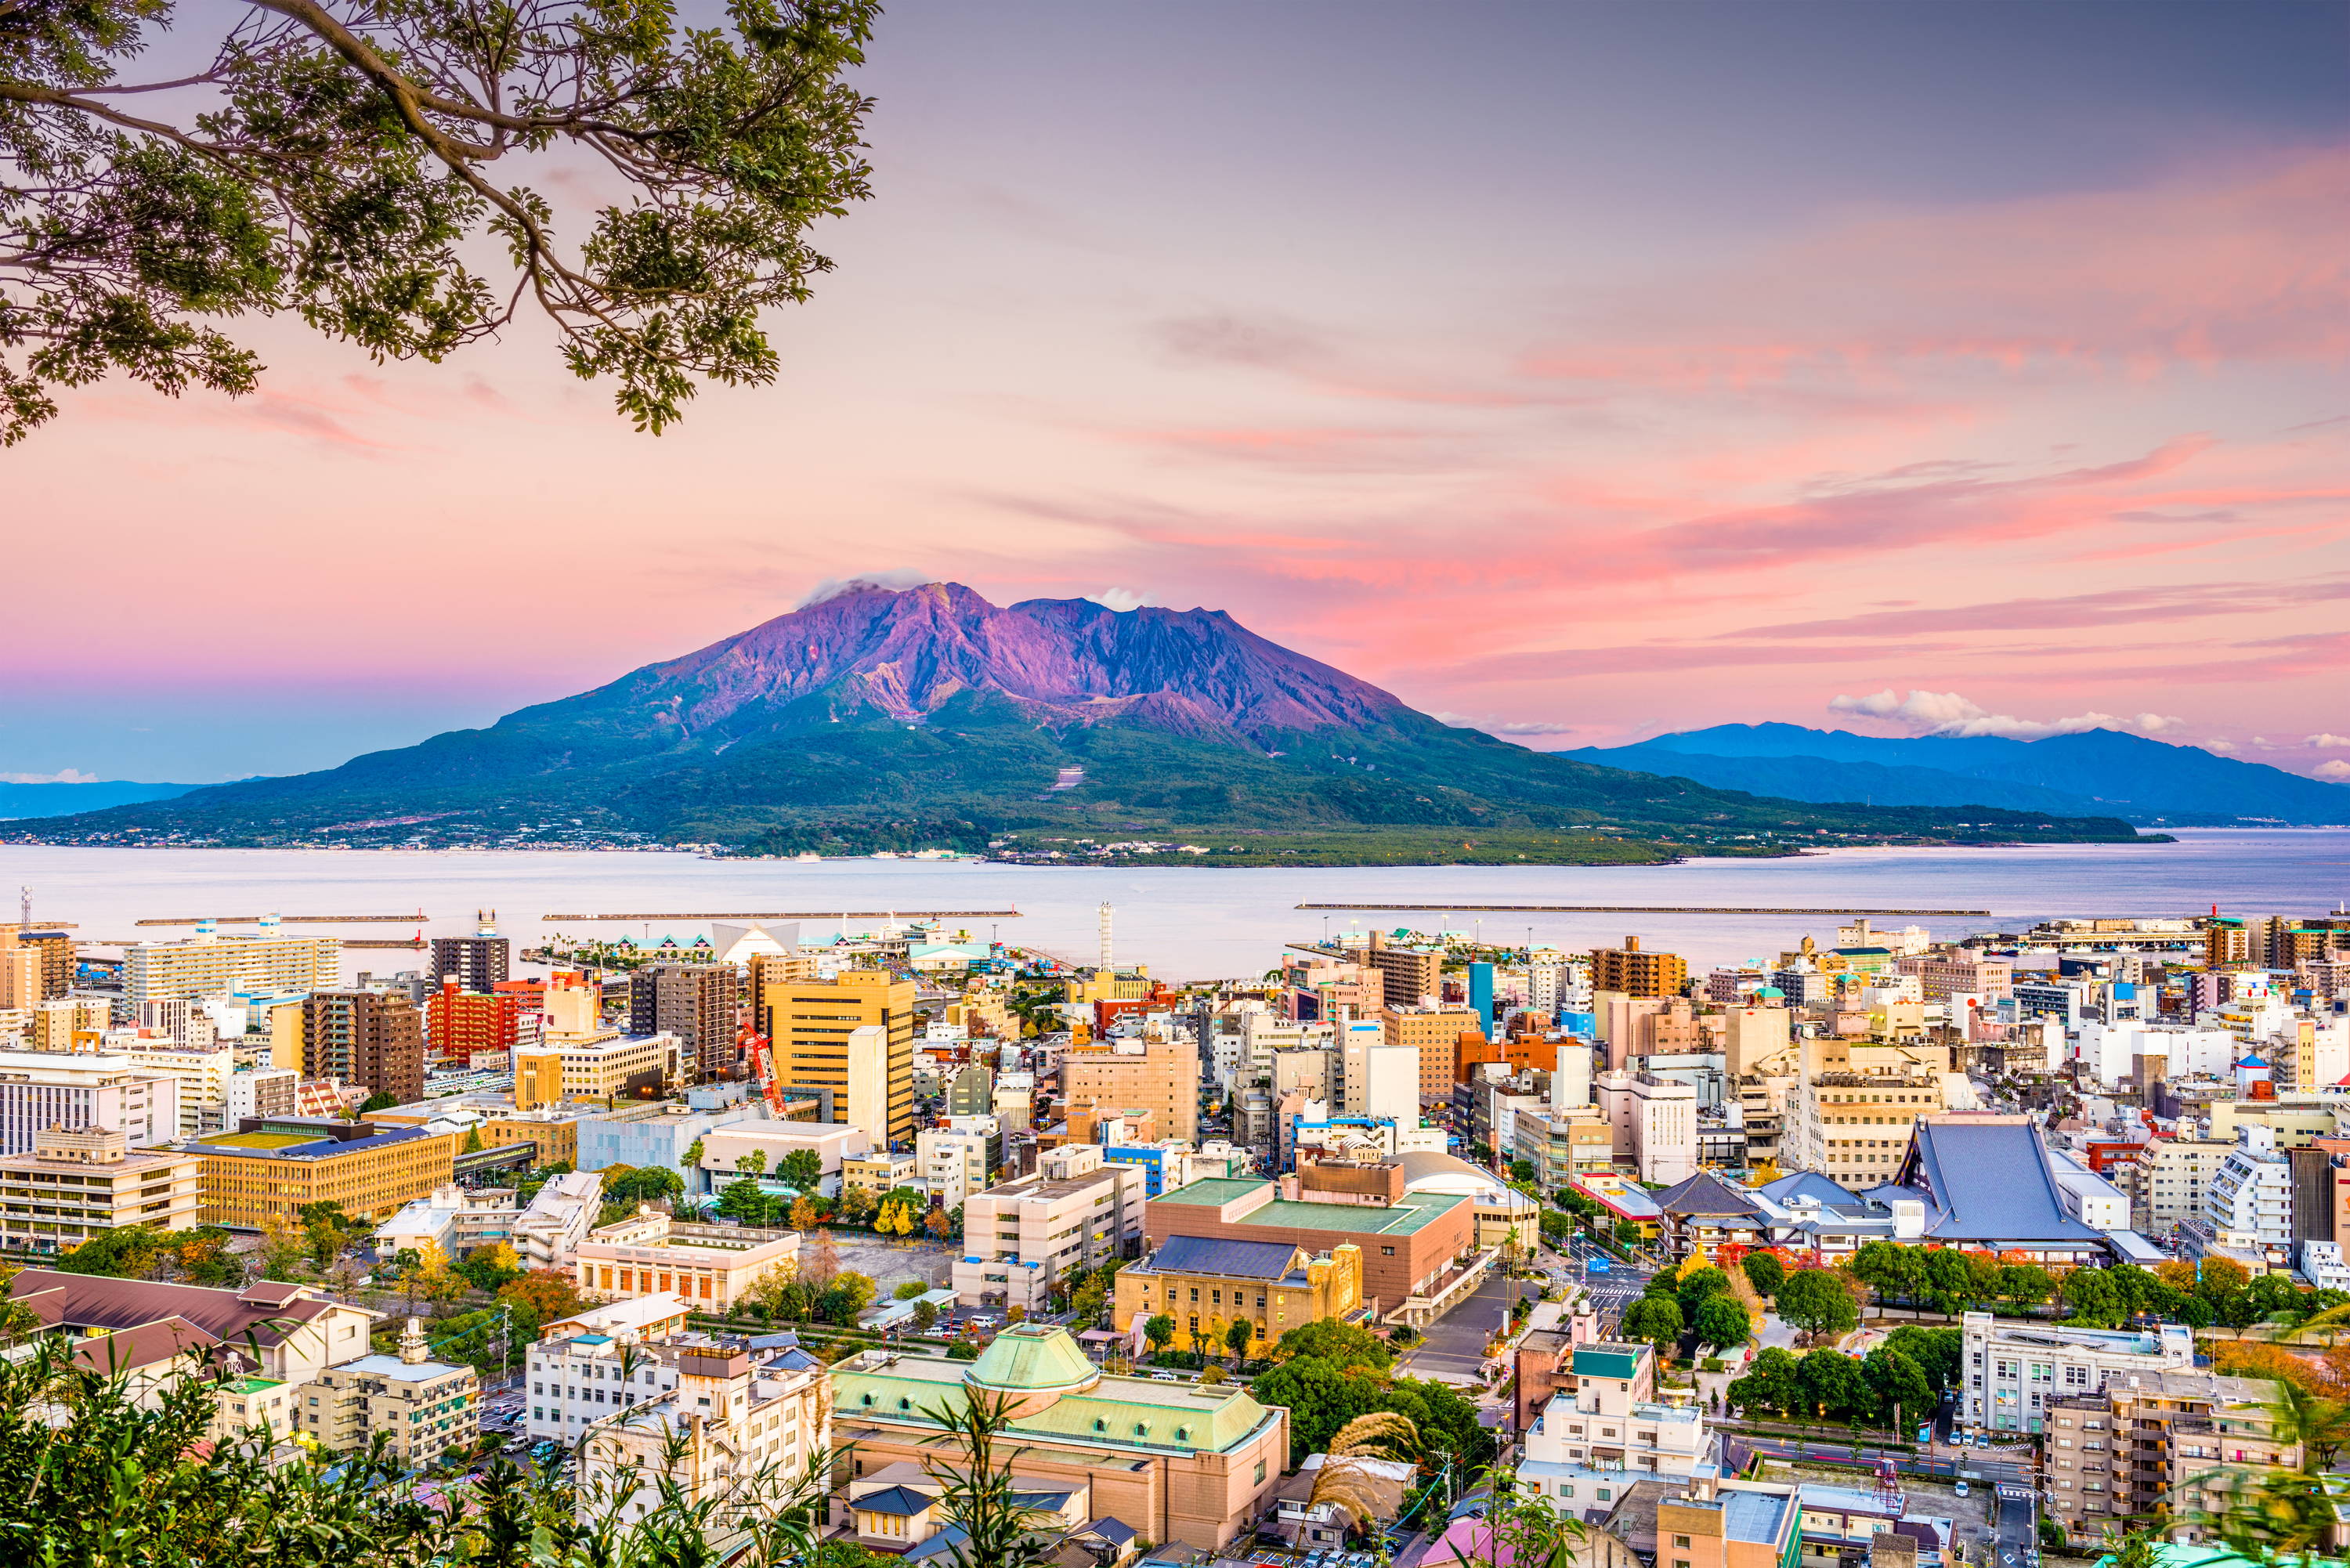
(25, 906)
(1103, 915)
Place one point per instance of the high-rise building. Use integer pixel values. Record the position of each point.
(765, 972)
(476, 963)
(1159, 1074)
(1409, 977)
(209, 964)
(39, 1089)
(462, 1024)
(811, 1023)
(696, 1003)
(54, 953)
(1638, 972)
(1436, 1034)
(372, 1040)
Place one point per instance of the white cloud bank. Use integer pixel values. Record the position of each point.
(1948, 713)
(64, 775)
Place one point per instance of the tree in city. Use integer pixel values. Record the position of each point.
(856, 1205)
(1831, 1386)
(1936, 1353)
(745, 1200)
(124, 1252)
(1892, 1270)
(1899, 1386)
(382, 1099)
(642, 1184)
(1345, 1345)
(1721, 1323)
(202, 1257)
(379, 173)
(1159, 1331)
(1764, 1272)
(1817, 1301)
(896, 1218)
(2026, 1284)
(802, 1215)
(941, 1224)
(2091, 1299)
(1238, 1337)
(847, 1294)
(1695, 1286)
(1656, 1319)
(1770, 1383)
(549, 1293)
(754, 1163)
(926, 1316)
(802, 1169)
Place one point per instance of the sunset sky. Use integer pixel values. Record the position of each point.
(1581, 372)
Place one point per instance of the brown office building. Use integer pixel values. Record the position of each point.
(1414, 1244)
(373, 1040)
(694, 1001)
(1441, 1035)
(1633, 973)
(476, 963)
(1409, 977)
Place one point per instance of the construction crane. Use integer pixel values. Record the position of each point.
(762, 1052)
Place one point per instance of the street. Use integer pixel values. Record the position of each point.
(1454, 1347)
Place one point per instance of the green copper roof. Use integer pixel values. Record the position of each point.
(1115, 1415)
(1213, 1191)
(1033, 1357)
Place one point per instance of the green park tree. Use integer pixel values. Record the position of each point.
(1764, 1272)
(1721, 1323)
(1817, 1301)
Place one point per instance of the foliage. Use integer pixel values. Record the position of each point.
(746, 1201)
(1763, 1272)
(203, 1258)
(856, 1205)
(1696, 1286)
(1817, 1301)
(548, 1292)
(126, 1253)
(908, 1290)
(1323, 1394)
(1345, 1476)
(1343, 1344)
(926, 1316)
(1656, 1319)
(2255, 1358)
(801, 1169)
(849, 1293)
(382, 1099)
(1238, 1337)
(1936, 1352)
(634, 1185)
(490, 1269)
(1721, 1323)
(335, 162)
(1521, 1170)
(1159, 1331)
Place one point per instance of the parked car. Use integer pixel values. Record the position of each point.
(1961, 1489)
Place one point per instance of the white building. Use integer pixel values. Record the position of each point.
(2322, 1264)
(2009, 1369)
(547, 1233)
(1604, 1431)
(955, 1158)
(43, 1089)
(2087, 1196)
(2248, 1207)
(2109, 1049)
(1078, 1210)
(202, 1072)
(1655, 1122)
(745, 1430)
(590, 1365)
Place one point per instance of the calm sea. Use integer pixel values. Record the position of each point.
(1194, 923)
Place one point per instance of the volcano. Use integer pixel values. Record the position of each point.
(881, 718)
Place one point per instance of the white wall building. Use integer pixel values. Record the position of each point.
(41, 1089)
(2248, 1207)
(2009, 1369)
(954, 1158)
(2108, 1050)
(1077, 1211)
(739, 1429)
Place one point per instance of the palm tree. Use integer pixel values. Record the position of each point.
(1345, 1478)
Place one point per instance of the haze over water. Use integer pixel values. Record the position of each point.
(1186, 924)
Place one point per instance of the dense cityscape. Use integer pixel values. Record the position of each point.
(1882, 1245)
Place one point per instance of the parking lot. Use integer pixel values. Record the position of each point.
(891, 1264)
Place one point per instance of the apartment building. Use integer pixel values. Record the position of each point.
(78, 1182)
(617, 1067)
(461, 1025)
(1654, 1121)
(2174, 1439)
(1078, 1210)
(881, 1171)
(1156, 1073)
(651, 1253)
(2012, 1370)
(1409, 977)
(1174, 1461)
(1607, 1427)
(41, 1089)
(812, 1026)
(1206, 1285)
(270, 1166)
(600, 1361)
(371, 1039)
(474, 963)
(424, 1408)
(1562, 1144)
(211, 962)
(1854, 1108)
(2167, 1182)
(738, 1430)
(1941, 976)
(1435, 1034)
(696, 1005)
(959, 1157)
(1636, 971)
(202, 1072)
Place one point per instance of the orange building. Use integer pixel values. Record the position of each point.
(460, 1023)
(1517, 1054)
(1637, 972)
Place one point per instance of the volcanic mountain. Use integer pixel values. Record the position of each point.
(880, 718)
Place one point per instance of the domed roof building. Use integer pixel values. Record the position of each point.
(1177, 1461)
(1500, 1208)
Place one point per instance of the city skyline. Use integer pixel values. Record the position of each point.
(1578, 374)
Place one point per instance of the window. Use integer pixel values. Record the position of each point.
(1681, 1541)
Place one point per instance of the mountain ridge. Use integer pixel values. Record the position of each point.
(2149, 782)
(887, 718)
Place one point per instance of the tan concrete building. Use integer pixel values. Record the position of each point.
(811, 1024)
(1208, 1285)
(1853, 1107)
(78, 1182)
(425, 1407)
(1157, 1074)
(1173, 1461)
(2178, 1439)
(713, 1267)
(1078, 1210)
(1638, 971)
(271, 1167)
(1437, 1033)
(614, 1068)
(1420, 1257)
(2167, 1182)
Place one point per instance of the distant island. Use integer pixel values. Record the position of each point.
(926, 718)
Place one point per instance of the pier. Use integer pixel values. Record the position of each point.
(290, 920)
(800, 915)
(1630, 909)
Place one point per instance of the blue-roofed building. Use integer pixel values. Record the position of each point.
(1987, 1182)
